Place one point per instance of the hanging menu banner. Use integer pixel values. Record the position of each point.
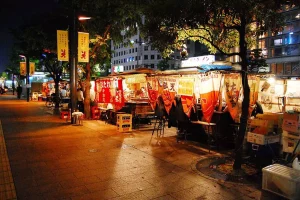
(103, 86)
(152, 87)
(169, 85)
(253, 82)
(210, 86)
(119, 97)
(233, 86)
(186, 86)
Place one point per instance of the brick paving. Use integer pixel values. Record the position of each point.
(52, 159)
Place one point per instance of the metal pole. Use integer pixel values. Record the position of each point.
(27, 77)
(13, 83)
(73, 62)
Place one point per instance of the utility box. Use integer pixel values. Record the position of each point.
(282, 180)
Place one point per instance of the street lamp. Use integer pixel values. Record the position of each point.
(27, 75)
(73, 60)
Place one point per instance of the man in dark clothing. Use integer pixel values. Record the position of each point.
(257, 110)
(19, 92)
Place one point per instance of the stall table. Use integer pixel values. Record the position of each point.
(210, 130)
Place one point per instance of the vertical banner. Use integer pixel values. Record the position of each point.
(83, 47)
(168, 93)
(253, 82)
(62, 45)
(152, 87)
(31, 68)
(23, 68)
(210, 86)
(232, 94)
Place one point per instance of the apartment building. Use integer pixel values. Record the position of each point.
(138, 53)
(282, 50)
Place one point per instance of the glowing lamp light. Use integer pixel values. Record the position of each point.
(81, 18)
(271, 80)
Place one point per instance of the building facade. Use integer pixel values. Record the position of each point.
(282, 50)
(138, 53)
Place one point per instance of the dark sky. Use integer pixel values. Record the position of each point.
(14, 13)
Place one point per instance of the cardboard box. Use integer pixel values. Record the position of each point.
(291, 122)
(275, 117)
(262, 139)
(291, 135)
(282, 180)
(289, 145)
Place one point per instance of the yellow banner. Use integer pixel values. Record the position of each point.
(186, 86)
(62, 45)
(23, 68)
(83, 47)
(31, 68)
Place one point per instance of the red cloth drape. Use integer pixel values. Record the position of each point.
(119, 96)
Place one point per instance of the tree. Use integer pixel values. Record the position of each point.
(37, 40)
(109, 19)
(54, 66)
(163, 65)
(220, 25)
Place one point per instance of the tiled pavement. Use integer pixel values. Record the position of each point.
(52, 159)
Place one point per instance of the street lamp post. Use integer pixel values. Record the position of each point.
(27, 76)
(73, 62)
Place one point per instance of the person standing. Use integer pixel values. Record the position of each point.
(19, 92)
(80, 99)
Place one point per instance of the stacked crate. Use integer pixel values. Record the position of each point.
(291, 133)
(124, 122)
(262, 132)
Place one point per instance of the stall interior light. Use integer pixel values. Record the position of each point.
(271, 80)
(293, 79)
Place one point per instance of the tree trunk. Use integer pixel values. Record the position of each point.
(245, 105)
(87, 95)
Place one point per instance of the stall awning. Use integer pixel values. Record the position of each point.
(205, 68)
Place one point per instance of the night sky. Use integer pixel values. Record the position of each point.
(14, 13)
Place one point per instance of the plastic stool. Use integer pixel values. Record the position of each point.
(77, 116)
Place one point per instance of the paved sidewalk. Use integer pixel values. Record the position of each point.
(52, 159)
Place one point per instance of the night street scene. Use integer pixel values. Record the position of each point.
(150, 99)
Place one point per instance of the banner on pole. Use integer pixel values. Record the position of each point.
(23, 68)
(62, 45)
(83, 47)
(31, 68)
